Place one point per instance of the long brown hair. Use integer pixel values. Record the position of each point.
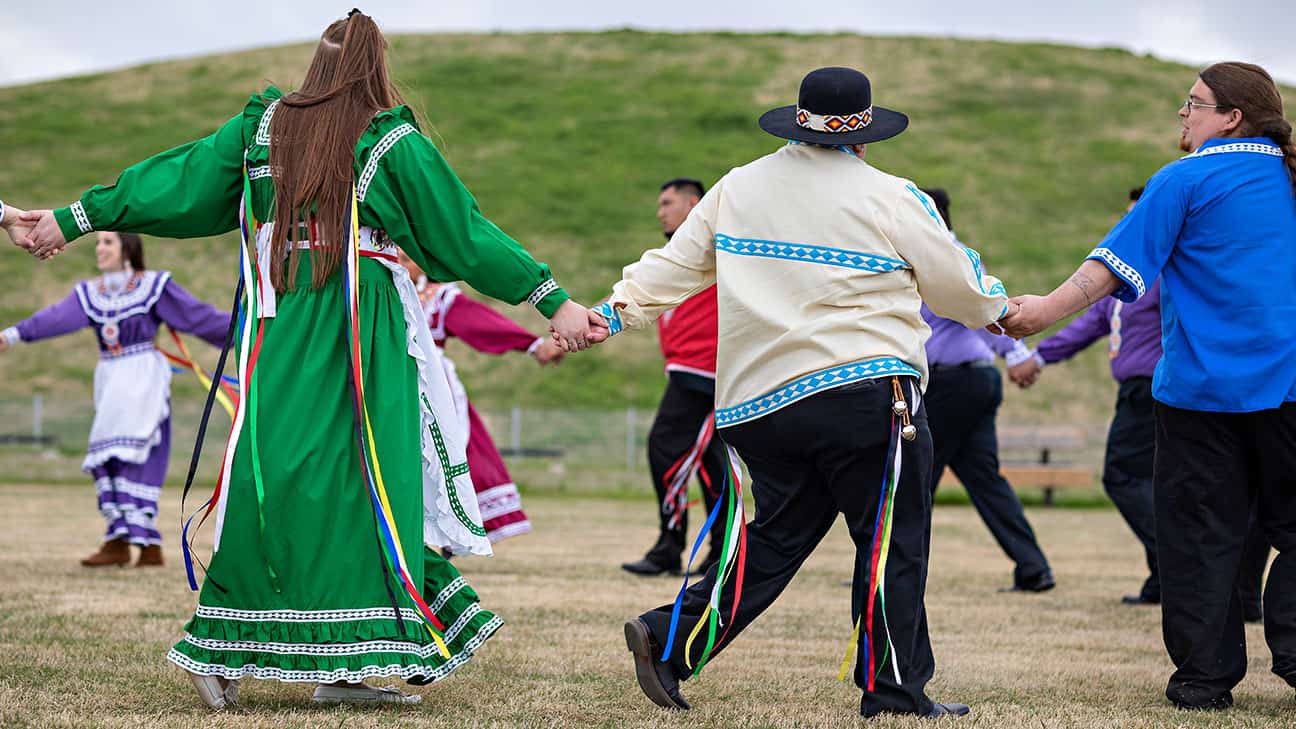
(132, 250)
(1251, 90)
(312, 144)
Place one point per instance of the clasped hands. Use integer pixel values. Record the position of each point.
(1026, 315)
(575, 328)
(35, 231)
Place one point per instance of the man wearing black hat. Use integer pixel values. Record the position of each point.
(825, 262)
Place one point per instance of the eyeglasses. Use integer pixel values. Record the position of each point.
(1189, 105)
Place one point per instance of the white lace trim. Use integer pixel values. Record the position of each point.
(446, 593)
(305, 616)
(140, 518)
(312, 649)
(497, 501)
(517, 528)
(138, 300)
(404, 672)
(79, 214)
(382, 147)
(439, 307)
(257, 173)
(133, 489)
(1122, 269)
(263, 129)
(1256, 147)
(548, 287)
(462, 622)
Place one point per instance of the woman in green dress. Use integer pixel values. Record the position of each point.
(339, 470)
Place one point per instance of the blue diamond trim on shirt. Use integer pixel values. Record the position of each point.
(804, 387)
(613, 316)
(808, 254)
(1123, 270)
(927, 204)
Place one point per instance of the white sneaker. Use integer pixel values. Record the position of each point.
(362, 694)
(210, 690)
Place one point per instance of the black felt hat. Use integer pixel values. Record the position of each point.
(835, 106)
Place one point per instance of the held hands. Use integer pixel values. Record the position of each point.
(1024, 374)
(13, 225)
(548, 352)
(46, 238)
(1026, 315)
(35, 231)
(576, 328)
(594, 324)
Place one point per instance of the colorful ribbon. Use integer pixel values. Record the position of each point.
(881, 549)
(676, 480)
(732, 566)
(369, 466)
(247, 231)
(226, 395)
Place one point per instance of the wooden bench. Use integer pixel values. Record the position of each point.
(1046, 472)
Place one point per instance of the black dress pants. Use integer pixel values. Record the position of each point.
(1127, 470)
(810, 461)
(961, 406)
(1212, 470)
(688, 401)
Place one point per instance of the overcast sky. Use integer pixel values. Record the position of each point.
(42, 39)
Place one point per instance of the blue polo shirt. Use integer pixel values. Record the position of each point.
(1219, 227)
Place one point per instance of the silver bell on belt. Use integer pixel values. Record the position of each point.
(900, 407)
(909, 432)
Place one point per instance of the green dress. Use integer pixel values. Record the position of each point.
(296, 589)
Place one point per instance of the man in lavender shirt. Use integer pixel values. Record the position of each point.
(963, 395)
(1134, 348)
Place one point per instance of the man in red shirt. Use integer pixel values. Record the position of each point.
(682, 442)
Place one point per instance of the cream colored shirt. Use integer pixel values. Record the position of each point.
(822, 264)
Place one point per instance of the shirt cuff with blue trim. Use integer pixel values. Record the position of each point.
(612, 315)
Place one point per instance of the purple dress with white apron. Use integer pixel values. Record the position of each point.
(130, 438)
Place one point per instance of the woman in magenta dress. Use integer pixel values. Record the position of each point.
(130, 437)
(452, 314)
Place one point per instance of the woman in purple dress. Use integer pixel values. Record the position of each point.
(130, 438)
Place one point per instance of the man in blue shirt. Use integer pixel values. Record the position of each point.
(1219, 228)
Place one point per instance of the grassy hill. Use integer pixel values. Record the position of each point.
(564, 139)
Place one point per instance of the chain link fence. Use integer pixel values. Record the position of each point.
(42, 439)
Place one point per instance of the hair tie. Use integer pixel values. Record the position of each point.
(354, 11)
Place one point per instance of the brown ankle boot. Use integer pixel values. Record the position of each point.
(113, 552)
(150, 556)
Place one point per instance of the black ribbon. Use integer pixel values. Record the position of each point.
(207, 407)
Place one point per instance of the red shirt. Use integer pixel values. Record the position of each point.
(688, 334)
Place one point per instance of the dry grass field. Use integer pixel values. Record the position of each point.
(85, 648)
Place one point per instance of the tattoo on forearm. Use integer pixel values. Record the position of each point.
(1083, 282)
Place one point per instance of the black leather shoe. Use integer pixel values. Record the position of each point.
(649, 568)
(1219, 703)
(939, 710)
(1140, 600)
(656, 679)
(1041, 583)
